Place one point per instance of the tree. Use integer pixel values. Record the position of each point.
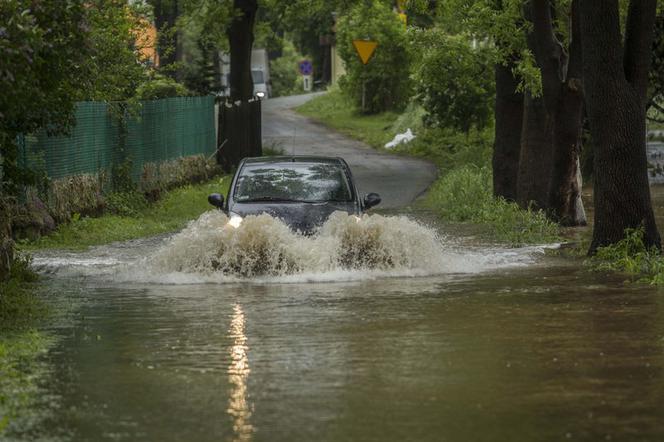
(169, 40)
(385, 79)
(240, 39)
(114, 69)
(451, 80)
(42, 52)
(551, 134)
(43, 49)
(615, 75)
(508, 117)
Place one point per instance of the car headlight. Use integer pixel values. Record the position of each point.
(235, 220)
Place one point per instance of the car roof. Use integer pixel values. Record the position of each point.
(294, 159)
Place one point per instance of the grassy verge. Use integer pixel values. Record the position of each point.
(464, 195)
(463, 192)
(336, 112)
(170, 213)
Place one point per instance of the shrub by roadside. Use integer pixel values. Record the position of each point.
(62, 200)
(632, 257)
(464, 195)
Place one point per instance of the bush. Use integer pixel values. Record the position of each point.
(161, 87)
(453, 80)
(126, 203)
(631, 256)
(387, 75)
(464, 195)
(284, 74)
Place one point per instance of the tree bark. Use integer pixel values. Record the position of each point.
(615, 100)
(241, 40)
(565, 204)
(240, 123)
(535, 157)
(507, 145)
(551, 140)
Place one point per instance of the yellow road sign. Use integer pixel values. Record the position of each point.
(365, 49)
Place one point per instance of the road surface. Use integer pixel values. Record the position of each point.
(398, 179)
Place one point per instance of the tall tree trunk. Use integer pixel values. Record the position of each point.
(240, 124)
(616, 87)
(535, 156)
(553, 122)
(241, 40)
(565, 204)
(507, 145)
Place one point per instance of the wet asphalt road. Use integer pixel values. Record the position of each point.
(398, 179)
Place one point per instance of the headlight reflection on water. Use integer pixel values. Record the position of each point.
(238, 372)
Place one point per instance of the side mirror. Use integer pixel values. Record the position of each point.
(216, 200)
(373, 199)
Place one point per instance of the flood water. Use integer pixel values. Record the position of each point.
(161, 344)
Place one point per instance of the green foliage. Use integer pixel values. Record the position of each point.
(159, 87)
(453, 80)
(450, 149)
(387, 75)
(125, 203)
(171, 213)
(464, 195)
(284, 74)
(42, 60)
(631, 256)
(114, 68)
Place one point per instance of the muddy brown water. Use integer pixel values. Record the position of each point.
(505, 345)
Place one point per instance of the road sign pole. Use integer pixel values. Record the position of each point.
(365, 49)
(364, 95)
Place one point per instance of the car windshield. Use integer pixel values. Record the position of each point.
(296, 182)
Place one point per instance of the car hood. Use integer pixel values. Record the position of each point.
(304, 217)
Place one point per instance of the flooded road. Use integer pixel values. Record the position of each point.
(496, 344)
(257, 334)
(530, 348)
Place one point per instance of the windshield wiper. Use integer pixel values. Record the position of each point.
(269, 198)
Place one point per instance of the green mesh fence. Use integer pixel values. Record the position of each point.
(162, 130)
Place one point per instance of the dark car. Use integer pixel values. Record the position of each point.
(302, 191)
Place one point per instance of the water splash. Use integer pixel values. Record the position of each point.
(265, 246)
(263, 249)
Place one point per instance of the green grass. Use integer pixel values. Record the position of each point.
(337, 112)
(169, 214)
(464, 195)
(632, 257)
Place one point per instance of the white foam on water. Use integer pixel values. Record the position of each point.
(263, 249)
(346, 248)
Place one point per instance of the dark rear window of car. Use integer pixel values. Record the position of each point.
(293, 181)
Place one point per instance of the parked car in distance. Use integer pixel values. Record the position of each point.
(302, 191)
